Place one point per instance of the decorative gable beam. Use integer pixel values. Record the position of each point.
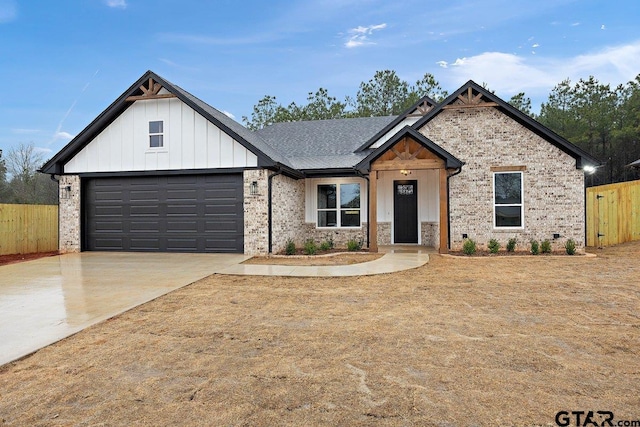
(469, 100)
(151, 91)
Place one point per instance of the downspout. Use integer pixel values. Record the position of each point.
(361, 175)
(270, 204)
(448, 208)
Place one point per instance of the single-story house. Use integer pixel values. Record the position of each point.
(161, 170)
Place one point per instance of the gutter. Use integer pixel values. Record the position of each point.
(361, 175)
(279, 171)
(448, 207)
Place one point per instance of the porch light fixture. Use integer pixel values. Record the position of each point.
(66, 192)
(405, 172)
(253, 188)
(589, 169)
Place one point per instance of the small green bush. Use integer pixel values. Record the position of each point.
(535, 247)
(354, 245)
(494, 246)
(290, 248)
(329, 241)
(511, 244)
(325, 246)
(469, 247)
(570, 247)
(310, 247)
(545, 247)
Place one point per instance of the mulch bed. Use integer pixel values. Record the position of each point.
(12, 259)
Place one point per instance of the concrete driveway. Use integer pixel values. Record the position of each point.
(45, 300)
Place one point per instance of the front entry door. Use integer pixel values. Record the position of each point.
(405, 211)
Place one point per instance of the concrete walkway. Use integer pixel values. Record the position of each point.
(396, 258)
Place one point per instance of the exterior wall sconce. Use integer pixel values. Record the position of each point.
(253, 188)
(66, 192)
(405, 172)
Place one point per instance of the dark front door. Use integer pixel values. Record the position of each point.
(405, 211)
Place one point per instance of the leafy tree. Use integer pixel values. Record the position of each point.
(429, 86)
(522, 103)
(5, 192)
(385, 94)
(321, 106)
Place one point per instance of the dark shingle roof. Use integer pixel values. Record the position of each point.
(322, 144)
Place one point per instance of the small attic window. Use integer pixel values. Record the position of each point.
(156, 134)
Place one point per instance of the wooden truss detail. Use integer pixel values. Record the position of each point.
(422, 109)
(151, 91)
(469, 100)
(407, 154)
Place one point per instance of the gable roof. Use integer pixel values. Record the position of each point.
(582, 157)
(267, 156)
(424, 101)
(450, 160)
(323, 144)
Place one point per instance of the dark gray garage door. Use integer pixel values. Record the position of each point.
(175, 213)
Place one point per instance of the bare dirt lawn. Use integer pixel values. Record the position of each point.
(11, 259)
(459, 342)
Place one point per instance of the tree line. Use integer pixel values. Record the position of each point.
(602, 120)
(20, 181)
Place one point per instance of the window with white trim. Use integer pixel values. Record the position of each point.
(338, 205)
(156, 134)
(508, 206)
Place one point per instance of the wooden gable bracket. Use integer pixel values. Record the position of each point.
(421, 109)
(150, 92)
(469, 100)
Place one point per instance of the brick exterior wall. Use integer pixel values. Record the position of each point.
(256, 225)
(384, 233)
(288, 212)
(69, 214)
(485, 138)
(340, 236)
(430, 232)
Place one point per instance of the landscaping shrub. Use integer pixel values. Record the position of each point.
(290, 248)
(325, 246)
(511, 244)
(570, 247)
(329, 241)
(354, 245)
(469, 247)
(494, 246)
(310, 247)
(545, 247)
(535, 247)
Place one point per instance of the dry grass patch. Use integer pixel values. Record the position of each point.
(316, 260)
(497, 341)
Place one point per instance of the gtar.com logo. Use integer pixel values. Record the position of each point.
(591, 418)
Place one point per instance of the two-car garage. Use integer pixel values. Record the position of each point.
(163, 213)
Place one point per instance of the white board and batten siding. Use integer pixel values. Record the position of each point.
(190, 142)
(408, 121)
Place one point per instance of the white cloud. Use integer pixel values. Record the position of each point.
(228, 114)
(602, 27)
(575, 24)
(509, 74)
(535, 45)
(121, 4)
(443, 64)
(8, 11)
(63, 135)
(359, 36)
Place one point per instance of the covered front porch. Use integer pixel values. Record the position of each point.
(408, 197)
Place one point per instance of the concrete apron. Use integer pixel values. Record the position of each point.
(45, 300)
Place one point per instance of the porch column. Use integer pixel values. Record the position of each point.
(373, 211)
(444, 218)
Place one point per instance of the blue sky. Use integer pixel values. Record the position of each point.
(64, 62)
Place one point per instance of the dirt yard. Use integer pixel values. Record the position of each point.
(459, 342)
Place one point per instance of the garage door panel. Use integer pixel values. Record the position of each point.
(181, 213)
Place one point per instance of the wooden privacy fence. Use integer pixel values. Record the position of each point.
(613, 213)
(28, 228)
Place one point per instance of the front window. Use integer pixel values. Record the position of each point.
(508, 205)
(156, 134)
(339, 205)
